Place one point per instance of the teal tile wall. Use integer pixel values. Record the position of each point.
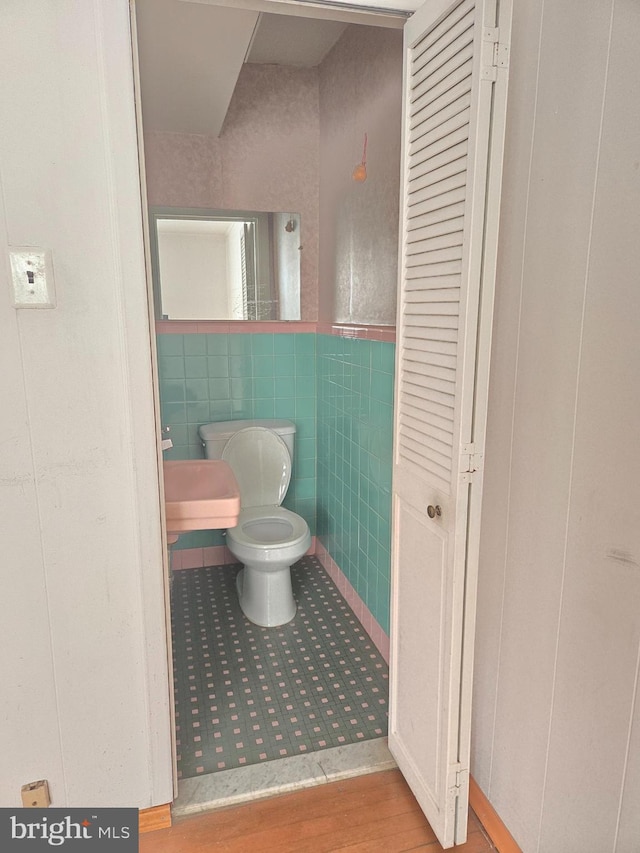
(355, 428)
(220, 377)
(339, 392)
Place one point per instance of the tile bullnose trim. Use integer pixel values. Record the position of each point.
(385, 334)
(232, 327)
(355, 330)
(370, 625)
(212, 555)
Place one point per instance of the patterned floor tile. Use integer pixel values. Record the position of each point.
(246, 694)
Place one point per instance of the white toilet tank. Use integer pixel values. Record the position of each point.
(214, 436)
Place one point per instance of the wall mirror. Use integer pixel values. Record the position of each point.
(225, 264)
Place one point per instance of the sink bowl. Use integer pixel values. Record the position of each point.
(200, 494)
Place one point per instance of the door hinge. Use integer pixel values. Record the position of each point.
(495, 53)
(458, 779)
(470, 462)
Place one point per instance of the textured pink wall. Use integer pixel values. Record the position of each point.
(266, 158)
(360, 92)
(290, 131)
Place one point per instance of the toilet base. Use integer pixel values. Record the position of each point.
(266, 597)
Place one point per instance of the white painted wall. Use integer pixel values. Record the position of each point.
(557, 725)
(193, 274)
(83, 665)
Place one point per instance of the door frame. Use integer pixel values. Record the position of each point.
(392, 14)
(166, 558)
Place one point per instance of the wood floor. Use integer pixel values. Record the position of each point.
(375, 813)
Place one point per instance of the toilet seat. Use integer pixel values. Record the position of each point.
(267, 527)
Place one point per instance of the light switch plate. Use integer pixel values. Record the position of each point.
(32, 277)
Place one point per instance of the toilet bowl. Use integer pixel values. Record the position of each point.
(268, 538)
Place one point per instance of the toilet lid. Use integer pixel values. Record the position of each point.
(260, 461)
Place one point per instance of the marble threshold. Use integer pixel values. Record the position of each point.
(243, 784)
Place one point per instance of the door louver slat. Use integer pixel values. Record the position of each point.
(436, 373)
(444, 46)
(439, 202)
(438, 335)
(440, 76)
(424, 380)
(452, 212)
(426, 270)
(436, 229)
(444, 158)
(442, 90)
(421, 444)
(431, 412)
(439, 440)
(436, 176)
(416, 454)
(430, 40)
(442, 282)
(438, 147)
(441, 120)
(433, 326)
(448, 253)
(454, 70)
(444, 241)
(435, 347)
(425, 136)
(455, 182)
(450, 294)
(437, 108)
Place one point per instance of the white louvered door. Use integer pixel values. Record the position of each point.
(453, 128)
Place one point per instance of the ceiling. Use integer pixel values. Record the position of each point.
(190, 55)
(286, 40)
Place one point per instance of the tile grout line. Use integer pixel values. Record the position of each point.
(299, 671)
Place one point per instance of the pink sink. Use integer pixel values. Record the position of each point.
(200, 494)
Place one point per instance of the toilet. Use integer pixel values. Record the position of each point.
(268, 538)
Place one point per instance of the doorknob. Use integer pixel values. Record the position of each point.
(432, 511)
